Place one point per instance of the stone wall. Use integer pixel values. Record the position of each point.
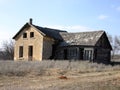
(47, 47)
(36, 42)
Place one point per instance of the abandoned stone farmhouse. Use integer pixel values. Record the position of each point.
(40, 43)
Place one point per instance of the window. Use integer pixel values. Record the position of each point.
(73, 52)
(31, 34)
(88, 55)
(30, 51)
(24, 35)
(21, 51)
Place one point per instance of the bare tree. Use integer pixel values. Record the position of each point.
(8, 50)
(111, 39)
(115, 42)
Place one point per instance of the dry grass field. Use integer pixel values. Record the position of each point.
(46, 75)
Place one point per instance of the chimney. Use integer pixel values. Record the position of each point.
(30, 21)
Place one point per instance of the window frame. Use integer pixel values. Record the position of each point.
(25, 35)
(31, 34)
(20, 51)
(88, 54)
(72, 52)
(30, 51)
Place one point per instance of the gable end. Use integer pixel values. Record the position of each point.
(27, 25)
(104, 42)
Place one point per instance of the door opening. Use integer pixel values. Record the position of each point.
(30, 53)
(65, 54)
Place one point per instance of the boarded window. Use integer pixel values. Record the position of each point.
(21, 51)
(24, 35)
(31, 34)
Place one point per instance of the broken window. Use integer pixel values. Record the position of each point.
(88, 55)
(21, 51)
(24, 35)
(31, 34)
(30, 51)
(73, 52)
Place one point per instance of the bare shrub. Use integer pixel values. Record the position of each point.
(22, 68)
(8, 50)
(65, 64)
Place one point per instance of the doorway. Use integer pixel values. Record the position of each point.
(65, 54)
(81, 53)
(30, 53)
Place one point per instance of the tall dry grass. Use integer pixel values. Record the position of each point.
(51, 67)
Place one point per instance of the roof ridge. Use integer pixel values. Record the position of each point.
(55, 29)
(87, 31)
(69, 33)
(51, 28)
(82, 38)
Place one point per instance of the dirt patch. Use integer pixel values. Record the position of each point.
(86, 81)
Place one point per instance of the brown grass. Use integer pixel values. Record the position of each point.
(58, 75)
(23, 68)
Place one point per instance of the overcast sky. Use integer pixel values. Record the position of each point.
(70, 15)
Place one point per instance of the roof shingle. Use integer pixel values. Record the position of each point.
(81, 38)
(54, 33)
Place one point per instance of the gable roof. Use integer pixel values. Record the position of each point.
(82, 38)
(53, 33)
(25, 26)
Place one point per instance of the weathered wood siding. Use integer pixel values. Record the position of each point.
(69, 53)
(103, 42)
(73, 53)
(102, 55)
(59, 53)
(103, 50)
